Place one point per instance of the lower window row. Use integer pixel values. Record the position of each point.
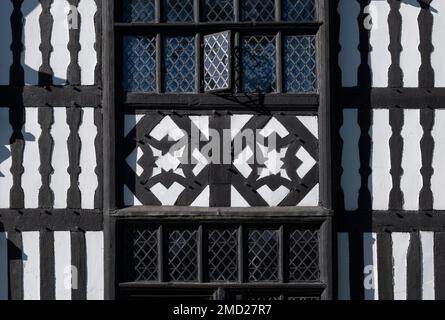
(235, 254)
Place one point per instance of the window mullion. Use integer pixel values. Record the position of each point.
(158, 11)
(279, 57)
(278, 10)
(197, 10)
(198, 61)
(159, 77)
(236, 62)
(236, 10)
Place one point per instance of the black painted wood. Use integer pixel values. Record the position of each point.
(396, 120)
(46, 25)
(16, 114)
(15, 248)
(427, 150)
(54, 220)
(47, 265)
(365, 145)
(385, 266)
(393, 220)
(78, 261)
(74, 118)
(439, 265)
(98, 43)
(425, 20)
(46, 144)
(405, 98)
(51, 96)
(414, 268)
(395, 73)
(98, 196)
(73, 72)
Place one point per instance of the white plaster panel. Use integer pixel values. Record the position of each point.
(31, 265)
(6, 180)
(438, 178)
(4, 276)
(60, 180)
(400, 251)
(427, 241)
(371, 267)
(411, 182)
(437, 57)
(62, 257)
(381, 180)
(31, 178)
(95, 265)
(60, 56)
(88, 179)
(344, 291)
(410, 59)
(349, 56)
(31, 41)
(379, 56)
(87, 38)
(6, 8)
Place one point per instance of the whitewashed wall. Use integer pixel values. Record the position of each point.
(379, 55)
(64, 277)
(392, 155)
(50, 193)
(58, 29)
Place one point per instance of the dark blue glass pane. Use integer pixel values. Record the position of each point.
(139, 64)
(258, 10)
(258, 64)
(139, 10)
(300, 67)
(178, 10)
(218, 10)
(298, 10)
(179, 64)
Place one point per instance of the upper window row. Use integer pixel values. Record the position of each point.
(218, 10)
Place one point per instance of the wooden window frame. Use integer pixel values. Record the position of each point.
(116, 103)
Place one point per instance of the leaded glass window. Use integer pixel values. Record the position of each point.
(300, 73)
(179, 64)
(139, 64)
(258, 64)
(298, 10)
(139, 10)
(178, 10)
(217, 61)
(258, 10)
(218, 10)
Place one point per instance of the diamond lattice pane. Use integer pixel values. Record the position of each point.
(183, 255)
(139, 64)
(223, 255)
(298, 10)
(179, 64)
(144, 255)
(300, 74)
(218, 10)
(139, 10)
(263, 248)
(303, 256)
(258, 10)
(178, 10)
(216, 61)
(259, 64)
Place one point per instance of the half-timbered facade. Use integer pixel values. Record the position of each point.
(121, 175)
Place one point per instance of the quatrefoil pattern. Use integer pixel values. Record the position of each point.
(260, 160)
